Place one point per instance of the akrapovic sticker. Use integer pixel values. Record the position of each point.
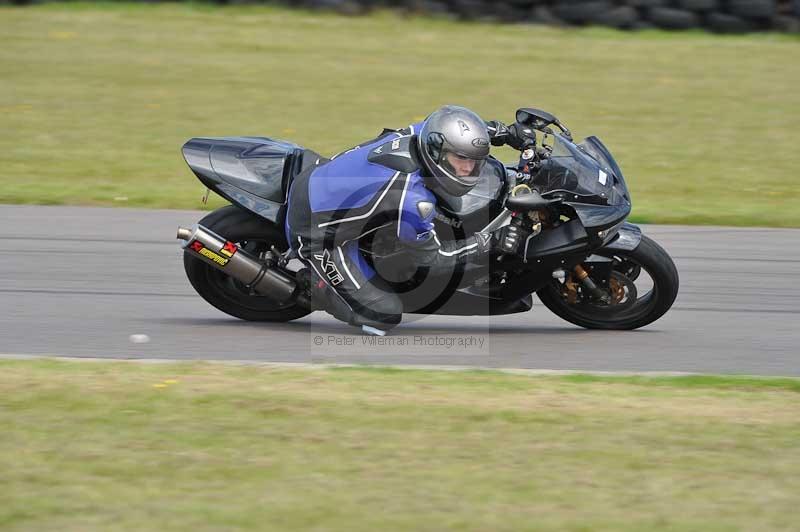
(207, 253)
(229, 249)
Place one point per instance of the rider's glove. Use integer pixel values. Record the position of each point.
(507, 239)
(520, 137)
(498, 132)
(517, 136)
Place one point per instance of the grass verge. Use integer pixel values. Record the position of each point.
(96, 100)
(98, 446)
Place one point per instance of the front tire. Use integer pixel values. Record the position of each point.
(255, 234)
(648, 257)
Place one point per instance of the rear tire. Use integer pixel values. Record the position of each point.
(650, 257)
(230, 296)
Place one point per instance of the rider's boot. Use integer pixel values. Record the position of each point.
(372, 309)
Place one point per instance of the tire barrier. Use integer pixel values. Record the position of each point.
(721, 16)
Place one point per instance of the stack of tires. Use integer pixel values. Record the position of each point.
(723, 16)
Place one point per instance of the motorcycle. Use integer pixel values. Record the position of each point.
(567, 201)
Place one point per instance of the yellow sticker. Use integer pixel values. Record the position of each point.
(207, 253)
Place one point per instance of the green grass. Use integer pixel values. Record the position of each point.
(101, 446)
(96, 100)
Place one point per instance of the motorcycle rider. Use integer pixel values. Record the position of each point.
(394, 180)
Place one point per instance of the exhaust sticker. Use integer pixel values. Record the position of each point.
(199, 248)
(229, 249)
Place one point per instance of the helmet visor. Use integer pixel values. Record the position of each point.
(464, 169)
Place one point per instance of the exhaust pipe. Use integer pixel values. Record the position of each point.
(226, 256)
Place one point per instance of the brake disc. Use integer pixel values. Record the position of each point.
(622, 290)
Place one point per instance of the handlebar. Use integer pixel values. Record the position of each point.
(532, 201)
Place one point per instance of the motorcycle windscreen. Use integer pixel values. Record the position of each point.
(594, 188)
(575, 175)
(598, 151)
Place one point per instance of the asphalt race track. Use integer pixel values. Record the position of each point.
(80, 281)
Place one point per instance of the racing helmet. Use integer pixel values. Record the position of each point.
(453, 147)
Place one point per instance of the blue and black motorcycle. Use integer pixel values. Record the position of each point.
(568, 201)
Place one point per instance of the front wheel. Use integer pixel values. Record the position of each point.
(642, 285)
(256, 235)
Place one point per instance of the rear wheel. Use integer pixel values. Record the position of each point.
(642, 285)
(256, 235)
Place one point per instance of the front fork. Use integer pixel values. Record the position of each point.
(627, 239)
(596, 292)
